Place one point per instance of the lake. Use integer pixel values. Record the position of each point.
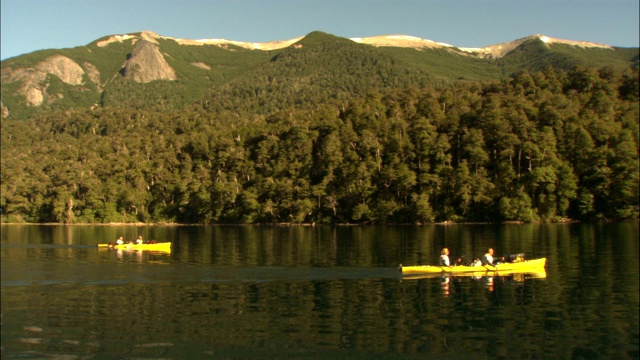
(317, 292)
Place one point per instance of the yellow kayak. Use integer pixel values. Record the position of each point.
(537, 274)
(164, 246)
(526, 266)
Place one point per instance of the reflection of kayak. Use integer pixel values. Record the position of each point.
(537, 274)
(164, 246)
(526, 266)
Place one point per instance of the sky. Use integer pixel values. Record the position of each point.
(30, 25)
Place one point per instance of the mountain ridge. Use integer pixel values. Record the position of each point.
(390, 40)
(179, 72)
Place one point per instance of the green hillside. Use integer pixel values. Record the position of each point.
(324, 131)
(335, 68)
(535, 55)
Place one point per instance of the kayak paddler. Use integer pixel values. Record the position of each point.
(488, 259)
(444, 258)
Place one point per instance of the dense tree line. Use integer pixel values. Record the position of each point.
(541, 146)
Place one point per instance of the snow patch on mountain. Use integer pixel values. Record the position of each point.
(550, 40)
(500, 50)
(116, 38)
(400, 41)
(272, 45)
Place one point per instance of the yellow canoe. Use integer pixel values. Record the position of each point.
(164, 246)
(526, 266)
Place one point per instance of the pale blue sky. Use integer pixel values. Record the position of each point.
(30, 25)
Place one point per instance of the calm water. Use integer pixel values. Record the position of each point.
(317, 293)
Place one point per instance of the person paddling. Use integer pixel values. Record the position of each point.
(487, 259)
(444, 258)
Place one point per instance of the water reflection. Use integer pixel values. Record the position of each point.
(444, 283)
(488, 280)
(135, 255)
(323, 292)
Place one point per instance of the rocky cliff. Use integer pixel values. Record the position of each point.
(147, 64)
(35, 80)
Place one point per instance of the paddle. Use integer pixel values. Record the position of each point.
(495, 267)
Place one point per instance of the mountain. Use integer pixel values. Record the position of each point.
(148, 71)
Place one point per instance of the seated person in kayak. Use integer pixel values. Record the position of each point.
(444, 258)
(139, 241)
(120, 241)
(488, 259)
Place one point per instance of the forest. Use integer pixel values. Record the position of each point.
(539, 146)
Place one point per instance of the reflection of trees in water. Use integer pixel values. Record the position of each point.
(286, 289)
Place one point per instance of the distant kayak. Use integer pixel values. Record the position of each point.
(526, 266)
(163, 246)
